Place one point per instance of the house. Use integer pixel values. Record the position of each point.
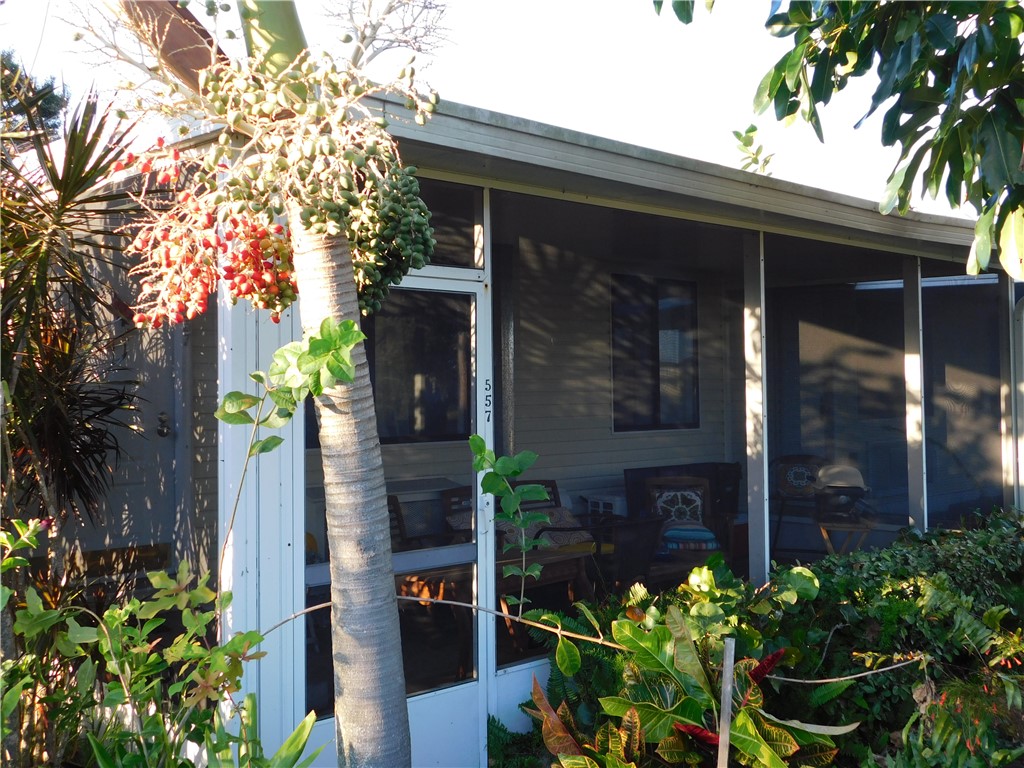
(610, 308)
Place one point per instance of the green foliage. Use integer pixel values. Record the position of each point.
(754, 158)
(314, 144)
(507, 749)
(950, 598)
(297, 370)
(663, 705)
(497, 480)
(63, 400)
(951, 79)
(952, 75)
(18, 90)
(137, 689)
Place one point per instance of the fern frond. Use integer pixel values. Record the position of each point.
(825, 693)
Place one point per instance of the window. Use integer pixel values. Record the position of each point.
(455, 209)
(654, 353)
(420, 354)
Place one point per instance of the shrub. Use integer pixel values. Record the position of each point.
(954, 600)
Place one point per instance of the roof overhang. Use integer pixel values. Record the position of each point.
(509, 152)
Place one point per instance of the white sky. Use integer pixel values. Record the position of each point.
(607, 67)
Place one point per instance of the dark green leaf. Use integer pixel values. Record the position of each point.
(266, 445)
(79, 634)
(242, 417)
(234, 402)
(567, 657)
(524, 460)
(276, 419)
(683, 9)
(506, 466)
(780, 25)
(940, 30)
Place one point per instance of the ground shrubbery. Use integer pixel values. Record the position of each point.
(949, 602)
(955, 598)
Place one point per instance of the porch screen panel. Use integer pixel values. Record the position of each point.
(836, 390)
(961, 397)
(654, 353)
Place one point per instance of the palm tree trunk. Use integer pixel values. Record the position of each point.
(370, 706)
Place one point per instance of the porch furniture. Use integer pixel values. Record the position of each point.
(634, 543)
(688, 516)
(791, 488)
(459, 512)
(723, 479)
(839, 491)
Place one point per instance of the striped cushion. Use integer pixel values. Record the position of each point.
(676, 537)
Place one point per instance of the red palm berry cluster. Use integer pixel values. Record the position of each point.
(259, 265)
(184, 251)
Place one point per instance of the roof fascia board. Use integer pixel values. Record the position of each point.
(504, 148)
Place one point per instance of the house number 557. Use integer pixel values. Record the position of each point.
(488, 400)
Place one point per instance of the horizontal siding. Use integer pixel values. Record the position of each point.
(564, 258)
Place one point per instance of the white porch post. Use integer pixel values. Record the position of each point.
(913, 375)
(264, 554)
(756, 397)
(1010, 379)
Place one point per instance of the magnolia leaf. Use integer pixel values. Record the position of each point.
(276, 419)
(242, 417)
(582, 608)
(506, 466)
(1011, 244)
(235, 402)
(567, 657)
(493, 483)
(79, 634)
(477, 445)
(532, 492)
(284, 369)
(891, 195)
(981, 247)
(283, 398)
(266, 445)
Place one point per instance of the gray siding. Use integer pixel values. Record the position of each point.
(562, 258)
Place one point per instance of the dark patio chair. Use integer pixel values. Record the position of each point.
(791, 488)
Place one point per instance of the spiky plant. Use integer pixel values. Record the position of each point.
(62, 397)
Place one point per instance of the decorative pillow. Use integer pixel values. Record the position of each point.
(683, 504)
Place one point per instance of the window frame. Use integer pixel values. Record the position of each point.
(685, 291)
